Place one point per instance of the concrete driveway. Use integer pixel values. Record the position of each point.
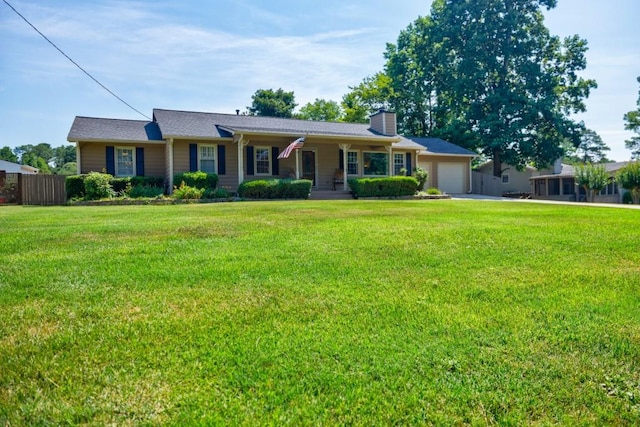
(552, 202)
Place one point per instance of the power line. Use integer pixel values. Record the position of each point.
(74, 62)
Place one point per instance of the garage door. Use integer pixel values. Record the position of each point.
(451, 177)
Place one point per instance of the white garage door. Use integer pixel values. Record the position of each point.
(451, 177)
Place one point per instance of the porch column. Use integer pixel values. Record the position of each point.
(345, 159)
(169, 168)
(297, 164)
(241, 144)
(391, 161)
(78, 159)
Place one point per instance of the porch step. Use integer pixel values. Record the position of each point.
(330, 195)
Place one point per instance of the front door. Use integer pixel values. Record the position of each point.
(309, 166)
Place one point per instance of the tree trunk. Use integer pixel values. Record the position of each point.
(497, 164)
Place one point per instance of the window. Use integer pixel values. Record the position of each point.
(568, 186)
(352, 163)
(505, 178)
(262, 159)
(376, 164)
(125, 161)
(398, 163)
(207, 158)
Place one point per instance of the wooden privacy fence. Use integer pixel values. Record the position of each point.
(26, 189)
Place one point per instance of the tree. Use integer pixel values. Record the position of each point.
(7, 154)
(321, 110)
(372, 94)
(629, 178)
(593, 178)
(63, 155)
(411, 67)
(489, 76)
(267, 102)
(632, 119)
(591, 148)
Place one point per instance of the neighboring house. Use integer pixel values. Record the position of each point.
(558, 183)
(10, 167)
(239, 148)
(510, 181)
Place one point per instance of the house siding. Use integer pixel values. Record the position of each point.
(94, 158)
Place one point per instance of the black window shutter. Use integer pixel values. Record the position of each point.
(249, 160)
(341, 159)
(408, 164)
(193, 157)
(221, 160)
(111, 161)
(140, 161)
(275, 166)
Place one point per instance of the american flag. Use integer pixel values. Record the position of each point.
(295, 145)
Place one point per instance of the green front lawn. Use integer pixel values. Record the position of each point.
(327, 312)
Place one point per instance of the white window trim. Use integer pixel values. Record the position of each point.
(376, 152)
(358, 157)
(255, 161)
(215, 156)
(404, 161)
(133, 158)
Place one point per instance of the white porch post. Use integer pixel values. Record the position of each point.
(297, 164)
(78, 159)
(389, 149)
(241, 144)
(169, 169)
(345, 159)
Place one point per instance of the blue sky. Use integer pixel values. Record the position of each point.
(212, 56)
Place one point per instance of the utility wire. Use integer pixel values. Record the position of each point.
(74, 62)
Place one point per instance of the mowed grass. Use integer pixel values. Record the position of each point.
(320, 312)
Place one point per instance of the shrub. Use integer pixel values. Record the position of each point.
(187, 192)
(218, 193)
(98, 186)
(395, 186)
(422, 176)
(629, 178)
(121, 186)
(198, 179)
(138, 191)
(147, 181)
(74, 185)
(627, 199)
(275, 189)
(433, 191)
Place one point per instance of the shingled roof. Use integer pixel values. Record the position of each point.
(440, 146)
(214, 125)
(97, 129)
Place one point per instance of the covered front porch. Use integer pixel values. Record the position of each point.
(328, 163)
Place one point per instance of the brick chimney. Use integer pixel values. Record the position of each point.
(384, 122)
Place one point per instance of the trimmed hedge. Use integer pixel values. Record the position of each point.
(275, 189)
(395, 186)
(74, 185)
(201, 180)
(98, 186)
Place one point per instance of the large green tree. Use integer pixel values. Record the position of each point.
(591, 148)
(321, 110)
(267, 102)
(488, 75)
(632, 119)
(6, 153)
(372, 94)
